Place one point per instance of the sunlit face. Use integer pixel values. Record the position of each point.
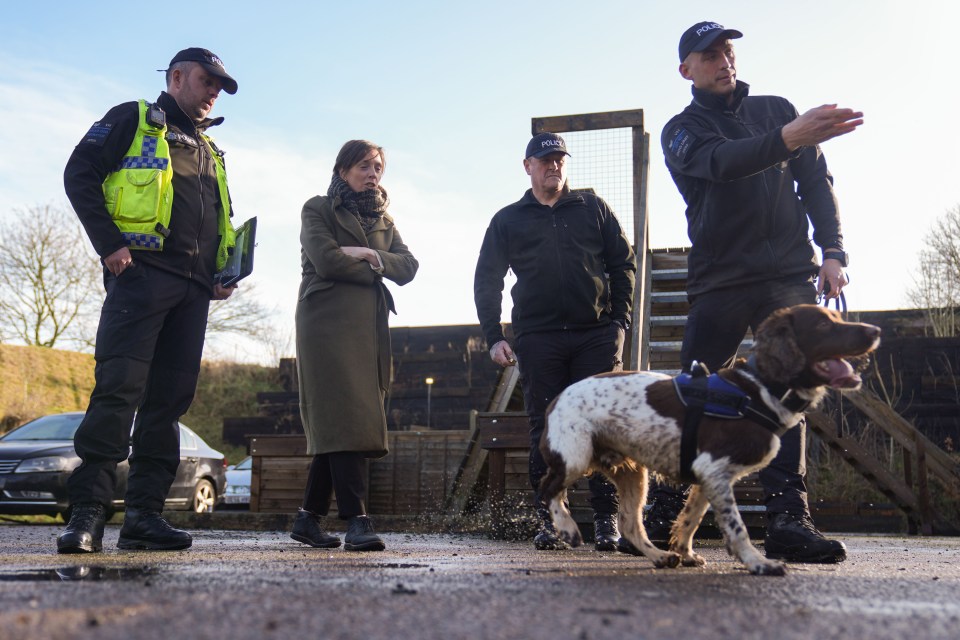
(713, 69)
(366, 174)
(195, 90)
(549, 173)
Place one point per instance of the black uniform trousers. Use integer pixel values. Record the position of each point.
(149, 346)
(716, 324)
(550, 361)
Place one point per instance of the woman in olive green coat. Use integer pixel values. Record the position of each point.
(349, 245)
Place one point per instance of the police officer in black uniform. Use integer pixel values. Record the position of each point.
(158, 283)
(572, 301)
(754, 179)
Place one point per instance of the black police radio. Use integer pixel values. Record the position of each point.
(156, 117)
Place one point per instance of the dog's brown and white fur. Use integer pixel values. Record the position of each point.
(623, 424)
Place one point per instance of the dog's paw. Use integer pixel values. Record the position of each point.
(571, 539)
(768, 569)
(692, 560)
(668, 560)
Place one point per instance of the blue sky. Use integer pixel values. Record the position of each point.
(449, 89)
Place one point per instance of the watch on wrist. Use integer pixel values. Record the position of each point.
(835, 254)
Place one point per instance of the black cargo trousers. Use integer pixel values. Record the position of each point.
(716, 324)
(549, 362)
(148, 351)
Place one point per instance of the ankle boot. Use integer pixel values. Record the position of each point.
(794, 538)
(308, 529)
(84, 532)
(605, 533)
(146, 529)
(547, 539)
(663, 512)
(360, 536)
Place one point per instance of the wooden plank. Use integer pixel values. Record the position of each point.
(868, 466)
(635, 343)
(437, 393)
(504, 430)
(923, 491)
(468, 472)
(255, 478)
(284, 484)
(628, 118)
(670, 258)
(279, 445)
(281, 505)
(907, 436)
(286, 464)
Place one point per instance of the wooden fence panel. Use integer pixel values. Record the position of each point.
(414, 479)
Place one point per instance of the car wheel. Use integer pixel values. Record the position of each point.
(204, 497)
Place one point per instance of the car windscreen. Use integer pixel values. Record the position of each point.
(55, 427)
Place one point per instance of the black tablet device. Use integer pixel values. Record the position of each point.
(240, 264)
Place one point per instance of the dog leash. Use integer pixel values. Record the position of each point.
(840, 302)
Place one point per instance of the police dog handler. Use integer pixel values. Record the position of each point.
(150, 189)
(754, 179)
(575, 273)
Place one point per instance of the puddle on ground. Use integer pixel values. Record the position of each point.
(71, 574)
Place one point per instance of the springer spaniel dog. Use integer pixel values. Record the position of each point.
(625, 423)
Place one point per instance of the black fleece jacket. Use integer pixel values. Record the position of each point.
(748, 198)
(191, 249)
(575, 268)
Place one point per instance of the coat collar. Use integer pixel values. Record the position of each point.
(349, 222)
(714, 102)
(182, 121)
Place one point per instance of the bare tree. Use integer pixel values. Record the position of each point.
(937, 281)
(50, 286)
(242, 314)
(249, 321)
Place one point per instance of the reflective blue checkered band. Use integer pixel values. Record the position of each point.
(148, 157)
(149, 147)
(142, 241)
(140, 162)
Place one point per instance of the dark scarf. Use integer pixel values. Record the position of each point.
(368, 206)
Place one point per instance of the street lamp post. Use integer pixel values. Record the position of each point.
(429, 382)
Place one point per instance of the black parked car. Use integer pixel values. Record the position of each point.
(36, 458)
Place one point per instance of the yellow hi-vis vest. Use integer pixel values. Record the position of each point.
(139, 194)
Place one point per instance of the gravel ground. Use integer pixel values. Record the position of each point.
(234, 585)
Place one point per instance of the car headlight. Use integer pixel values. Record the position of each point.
(233, 489)
(47, 464)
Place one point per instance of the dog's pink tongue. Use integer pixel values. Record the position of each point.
(842, 375)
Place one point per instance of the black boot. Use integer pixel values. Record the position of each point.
(84, 532)
(547, 539)
(360, 536)
(663, 512)
(605, 533)
(307, 529)
(794, 538)
(146, 529)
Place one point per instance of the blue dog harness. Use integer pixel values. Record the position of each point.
(706, 394)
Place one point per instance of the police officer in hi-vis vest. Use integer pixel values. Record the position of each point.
(150, 189)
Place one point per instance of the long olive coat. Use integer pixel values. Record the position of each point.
(343, 340)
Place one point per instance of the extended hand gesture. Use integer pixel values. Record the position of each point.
(819, 125)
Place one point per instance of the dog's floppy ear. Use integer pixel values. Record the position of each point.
(778, 355)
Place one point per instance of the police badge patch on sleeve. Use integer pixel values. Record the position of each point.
(98, 133)
(681, 141)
